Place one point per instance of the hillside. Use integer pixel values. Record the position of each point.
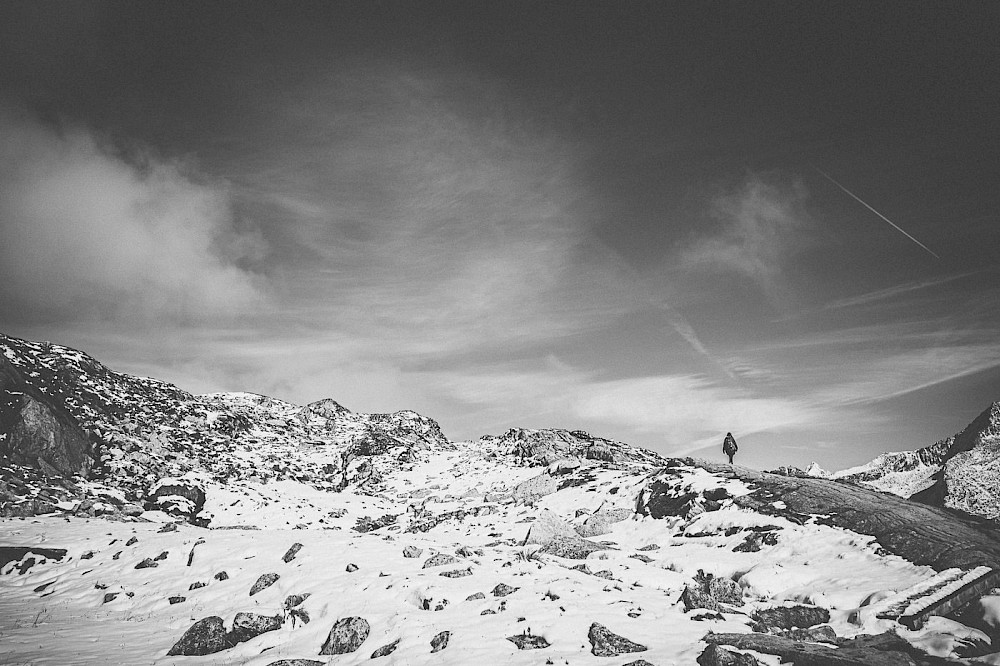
(960, 472)
(144, 524)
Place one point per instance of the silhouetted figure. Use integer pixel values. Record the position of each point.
(729, 447)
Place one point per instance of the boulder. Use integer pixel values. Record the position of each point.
(263, 582)
(790, 617)
(600, 523)
(412, 552)
(291, 552)
(502, 590)
(346, 635)
(534, 488)
(571, 548)
(606, 643)
(547, 526)
(708, 591)
(440, 641)
(438, 560)
(713, 655)
(386, 650)
(250, 625)
(206, 636)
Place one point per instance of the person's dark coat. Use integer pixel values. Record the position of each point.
(729, 446)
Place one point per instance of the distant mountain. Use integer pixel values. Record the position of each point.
(959, 472)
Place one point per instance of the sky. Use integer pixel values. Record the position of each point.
(655, 221)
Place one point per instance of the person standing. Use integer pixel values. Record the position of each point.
(729, 446)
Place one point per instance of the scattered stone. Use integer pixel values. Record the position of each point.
(132, 510)
(526, 641)
(176, 600)
(116, 555)
(110, 596)
(412, 552)
(147, 563)
(168, 527)
(474, 597)
(132, 541)
(386, 650)
(713, 655)
(457, 573)
(489, 611)
(196, 585)
(606, 643)
(605, 574)
(291, 552)
(440, 641)
(265, 581)
(293, 600)
(206, 636)
(346, 636)
(754, 541)
(86, 556)
(161, 556)
(440, 559)
(502, 590)
(822, 633)
(297, 662)
(351, 568)
(645, 559)
(251, 625)
(222, 575)
(191, 554)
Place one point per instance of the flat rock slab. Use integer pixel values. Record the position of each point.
(812, 654)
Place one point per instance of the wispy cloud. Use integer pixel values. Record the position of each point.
(762, 226)
(90, 233)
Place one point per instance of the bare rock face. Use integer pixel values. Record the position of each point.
(790, 617)
(528, 642)
(206, 636)
(606, 643)
(181, 497)
(600, 523)
(346, 635)
(38, 433)
(571, 548)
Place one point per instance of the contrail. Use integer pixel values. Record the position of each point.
(858, 199)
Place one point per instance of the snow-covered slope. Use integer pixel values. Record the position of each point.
(239, 529)
(960, 472)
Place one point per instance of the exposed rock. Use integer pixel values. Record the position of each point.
(528, 642)
(196, 585)
(385, 650)
(639, 662)
(412, 552)
(263, 582)
(206, 636)
(534, 488)
(250, 625)
(440, 641)
(147, 563)
(17, 553)
(753, 542)
(438, 560)
(222, 575)
(293, 600)
(351, 568)
(177, 496)
(713, 655)
(708, 591)
(457, 573)
(600, 523)
(502, 590)
(812, 654)
(110, 596)
(297, 662)
(291, 552)
(605, 643)
(571, 548)
(789, 617)
(176, 600)
(823, 633)
(548, 525)
(346, 636)
(474, 597)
